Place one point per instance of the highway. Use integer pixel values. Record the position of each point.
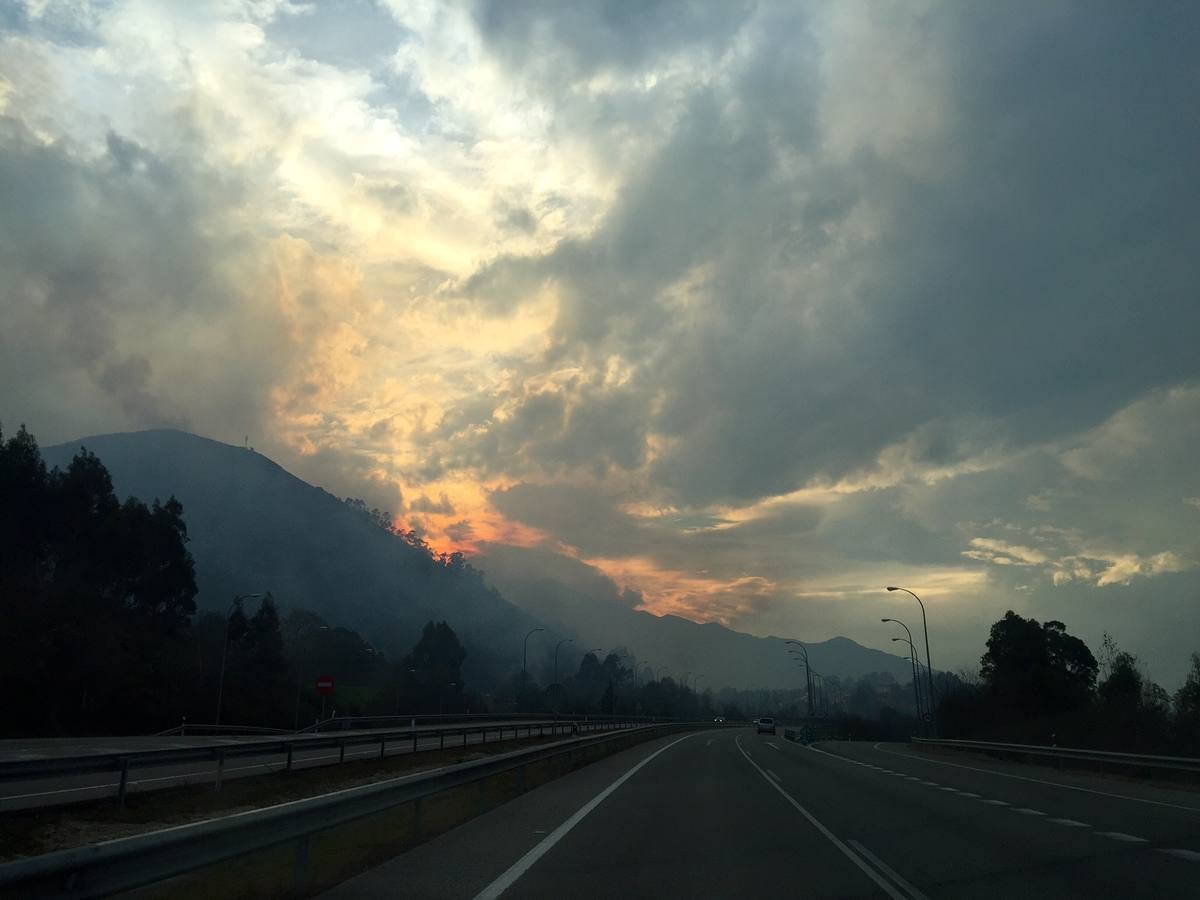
(728, 813)
(59, 789)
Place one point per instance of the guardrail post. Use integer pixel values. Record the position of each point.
(124, 780)
(441, 740)
(382, 746)
(342, 751)
(464, 737)
(289, 756)
(220, 767)
(414, 750)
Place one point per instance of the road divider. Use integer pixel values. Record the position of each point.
(297, 847)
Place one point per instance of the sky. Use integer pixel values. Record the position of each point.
(751, 308)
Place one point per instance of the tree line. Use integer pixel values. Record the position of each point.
(101, 633)
(1038, 683)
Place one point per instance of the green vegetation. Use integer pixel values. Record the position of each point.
(1039, 684)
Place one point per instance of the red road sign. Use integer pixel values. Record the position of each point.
(325, 684)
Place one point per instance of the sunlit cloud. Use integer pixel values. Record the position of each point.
(754, 307)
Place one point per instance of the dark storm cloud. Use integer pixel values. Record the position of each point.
(1039, 277)
(98, 258)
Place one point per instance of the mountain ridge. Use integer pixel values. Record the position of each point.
(254, 526)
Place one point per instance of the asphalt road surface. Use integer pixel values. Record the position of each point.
(729, 813)
(56, 790)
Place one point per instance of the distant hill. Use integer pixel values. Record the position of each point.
(575, 597)
(253, 527)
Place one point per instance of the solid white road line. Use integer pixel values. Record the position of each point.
(773, 775)
(1058, 784)
(892, 873)
(1121, 836)
(994, 802)
(883, 884)
(1070, 823)
(968, 794)
(522, 865)
(1026, 811)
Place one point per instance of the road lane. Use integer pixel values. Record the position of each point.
(731, 814)
(694, 821)
(1154, 813)
(961, 837)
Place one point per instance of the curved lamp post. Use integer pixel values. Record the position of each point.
(928, 661)
(912, 658)
(807, 675)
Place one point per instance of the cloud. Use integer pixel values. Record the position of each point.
(1003, 553)
(751, 308)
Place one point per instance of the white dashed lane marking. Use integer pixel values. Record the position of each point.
(1189, 855)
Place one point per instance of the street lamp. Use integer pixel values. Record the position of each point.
(524, 660)
(912, 659)
(928, 661)
(225, 649)
(807, 674)
(556, 646)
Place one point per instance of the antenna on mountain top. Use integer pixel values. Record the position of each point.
(247, 443)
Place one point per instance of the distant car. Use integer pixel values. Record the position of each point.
(766, 725)
(719, 720)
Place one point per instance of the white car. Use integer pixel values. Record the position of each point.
(766, 725)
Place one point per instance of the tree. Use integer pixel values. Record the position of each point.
(98, 595)
(1122, 689)
(434, 668)
(1032, 669)
(1187, 708)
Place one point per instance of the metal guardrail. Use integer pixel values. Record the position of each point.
(184, 729)
(125, 764)
(350, 722)
(140, 860)
(1101, 758)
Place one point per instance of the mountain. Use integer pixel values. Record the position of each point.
(579, 599)
(254, 527)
